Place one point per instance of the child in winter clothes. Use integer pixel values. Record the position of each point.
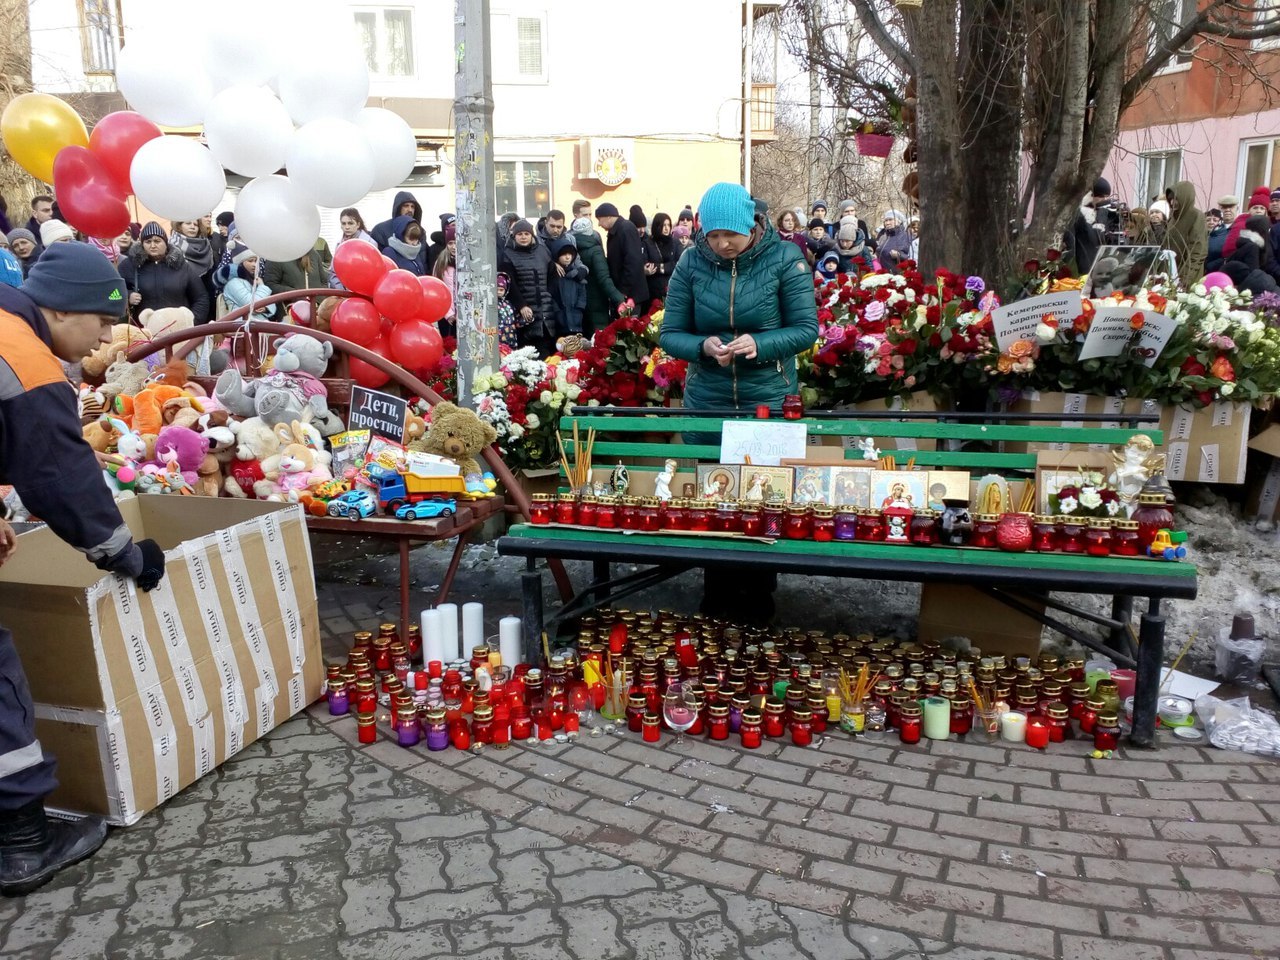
(568, 285)
(506, 315)
(851, 245)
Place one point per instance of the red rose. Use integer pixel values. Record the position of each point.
(1031, 266)
(1193, 367)
(1052, 255)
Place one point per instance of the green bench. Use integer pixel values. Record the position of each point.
(642, 438)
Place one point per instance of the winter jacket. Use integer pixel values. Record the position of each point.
(170, 282)
(305, 273)
(384, 231)
(528, 268)
(898, 239)
(602, 295)
(406, 256)
(656, 282)
(1217, 237)
(625, 254)
(1084, 236)
(669, 251)
(239, 293)
(10, 269)
(1244, 266)
(569, 291)
(766, 292)
(1187, 236)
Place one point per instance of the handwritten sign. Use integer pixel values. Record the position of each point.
(766, 442)
(382, 414)
(1112, 331)
(1018, 321)
(1156, 331)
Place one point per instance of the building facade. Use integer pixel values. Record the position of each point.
(627, 102)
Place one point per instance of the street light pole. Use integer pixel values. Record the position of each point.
(475, 299)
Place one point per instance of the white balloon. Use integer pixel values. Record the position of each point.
(330, 161)
(146, 76)
(276, 219)
(325, 82)
(395, 150)
(248, 130)
(177, 178)
(233, 54)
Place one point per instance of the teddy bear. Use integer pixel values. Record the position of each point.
(144, 411)
(324, 314)
(123, 379)
(181, 446)
(296, 470)
(215, 427)
(126, 336)
(292, 386)
(256, 442)
(460, 435)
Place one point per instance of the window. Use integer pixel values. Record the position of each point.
(1266, 15)
(99, 34)
(386, 33)
(1156, 173)
(1167, 18)
(519, 47)
(523, 186)
(1259, 165)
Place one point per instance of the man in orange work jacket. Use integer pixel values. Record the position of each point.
(66, 307)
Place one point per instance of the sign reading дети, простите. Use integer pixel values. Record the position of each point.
(382, 414)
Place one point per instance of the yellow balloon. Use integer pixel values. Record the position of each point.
(35, 126)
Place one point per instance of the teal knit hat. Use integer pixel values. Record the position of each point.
(727, 206)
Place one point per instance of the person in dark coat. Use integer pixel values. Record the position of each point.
(26, 247)
(404, 246)
(602, 295)
(893, 242)
(404, 205)
(1245, 265)
(528, 263)
(66, 309)
(652, 255)
(158, 275)
(625, 255)
(439, 241)
(1217, 237)
(568, 285)
(1085, 235)
(669, 250)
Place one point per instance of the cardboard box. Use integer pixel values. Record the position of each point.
(1070, 405)
(949, 610)
(140, 694)
(921, 400)
(1263, 500)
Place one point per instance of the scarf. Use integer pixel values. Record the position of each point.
(409, 251)
(198, 251)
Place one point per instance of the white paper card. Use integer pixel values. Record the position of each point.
(1209, 459)
(1155, 334)
(1018, 321)
(1185, 685)
(766, 442)
(1109, 333)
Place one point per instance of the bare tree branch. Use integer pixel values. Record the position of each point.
(870, 19)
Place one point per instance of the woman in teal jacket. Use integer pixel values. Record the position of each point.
(739, 307)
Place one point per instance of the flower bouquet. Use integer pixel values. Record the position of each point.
(1086, 495)
(524, 401)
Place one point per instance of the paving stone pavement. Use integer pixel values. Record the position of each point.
(307, 845)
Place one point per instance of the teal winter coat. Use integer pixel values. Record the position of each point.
(766, 292)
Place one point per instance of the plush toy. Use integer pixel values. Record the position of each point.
(291, 387)
(460, 435)
(123, 379)
(256, 442)
(414, 429)
(100, 434)
(324, 314)
(296, 470)
(181, 446)
(144, 410)
(129, 447)
(181, 411)
(92, 404)
(214, 427)
(126, 336)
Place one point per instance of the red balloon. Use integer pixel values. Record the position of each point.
(391, 264)
(356, 320)
(366, 374)
(115, 139)
(437, 300)
(88, 196)
(300, 312)
(416, 344)
(359, 266)
(398, 296)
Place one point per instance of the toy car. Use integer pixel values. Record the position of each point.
(354, 504)
(1168, 544)
(425, 509)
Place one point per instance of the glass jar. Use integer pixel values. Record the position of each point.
(802, 727)
(367, 727)
(676, 514)
(482, 725)
(1044, 534)
(718, 721)
(751, 518)
(846, 527)
(984, 530)
(924, 528)
(870, 525)
(799, 522)
(956, 523)
(339, 699)
(910, 721)
(606, 513)
(628, 513)
(874, 722)
(1125, 539)
(961, 716)
(1071, 534)
(541, 509)
(1037, 732)
(1089, 715)
(436, 727)
(588, 509)
(824, 523)
(637, 707)
(739, 705)
(727, 518)
(774, 719)
(772, 513)
(1059, 724)
(792, 407)
(897, 523)
(749, 731)
(648, 519)
(1097, 537)
(1152, 515)
(699, 515)
(521, 722)
(566, 508)
(1106, 733)
(1013, 532)
(818, 710)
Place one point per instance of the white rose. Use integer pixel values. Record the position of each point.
(532, 421)
(572, 391)
(544, 396)
(1089, 499)
(593, 402)
(515, 431)
(557, 399)
(1199, 289)
(1227, 389)
(1046, 333)
(910, 294)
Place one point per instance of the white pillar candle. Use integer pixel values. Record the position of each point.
(449, 619)
(510, 631)
(472, 626)
(1013, 727)
(432, 636)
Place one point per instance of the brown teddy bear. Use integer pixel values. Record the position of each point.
(460, 435)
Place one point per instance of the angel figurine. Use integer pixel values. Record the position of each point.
(1135, 462)
(868, 447)
(662, 485)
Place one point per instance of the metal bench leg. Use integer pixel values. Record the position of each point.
(1122, 611)
(447, 583)
(599, 571)
(531, 597)
(1150, 660)
(404, 586)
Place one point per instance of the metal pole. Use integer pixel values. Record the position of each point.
(748, 56)
(476, 277)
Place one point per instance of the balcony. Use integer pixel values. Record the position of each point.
(763, 101)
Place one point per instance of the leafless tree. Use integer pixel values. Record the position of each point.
(16, 185)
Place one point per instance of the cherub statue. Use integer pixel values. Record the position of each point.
(868, 447)
(1135, 462)
(662, 485)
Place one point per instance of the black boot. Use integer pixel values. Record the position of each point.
(34, 847)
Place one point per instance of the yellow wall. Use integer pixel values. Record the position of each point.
(667, 175)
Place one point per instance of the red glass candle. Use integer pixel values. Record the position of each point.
(1106, 734)
(774, 720)
(1059, 725)
(1071, 535)
(588, 510)
(749, 729)
(1125, 539)
(772, 513)
(961, 716)
(870, 526)
(910, 722)
(1013, 532)
(699, 515)
(792, 407)
(651, 728)
(1089, 715)
(727, 519)
(541, 509)
(1044, 534)
(1152, 515)
(1037, 732)
(824, 524)
(984, 530)
(521, 724)
(897, 523)
(482, 725)
(762, 411)
(367, 728)
(924, 528)
(1097, 538)
(606, 513)
(628, 513)
(802, 727)
(818, 711)
(567, 508)
(460, 735)
(752, 520)
(718, 721)
(637, 707)
(366, 696)
(648, 517)
(675, 515)
(799, 522)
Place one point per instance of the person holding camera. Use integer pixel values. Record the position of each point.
(1096, 218)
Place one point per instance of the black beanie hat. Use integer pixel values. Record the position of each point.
(817, 222)
(76, 278)
(637, 217)
(685, 214)
(153, 229)
(606, 210)
(522, 226)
